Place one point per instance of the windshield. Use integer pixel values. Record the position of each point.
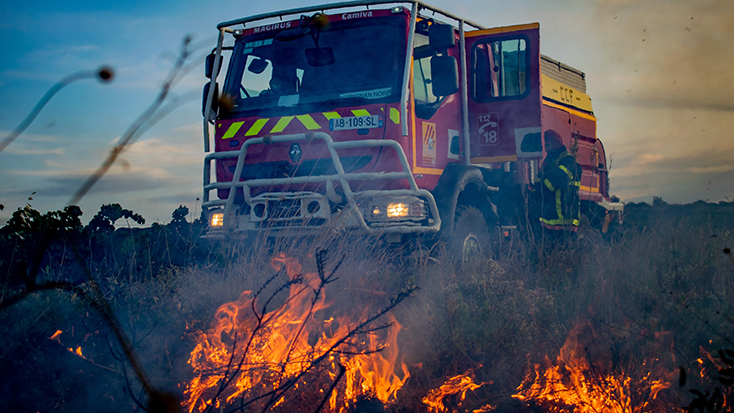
(347, 62)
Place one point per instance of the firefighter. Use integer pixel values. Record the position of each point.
(560, 179)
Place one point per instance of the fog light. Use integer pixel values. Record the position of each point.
(259, 210)
(417, 210)
(313, 207)
(397, 210)
(217, 220)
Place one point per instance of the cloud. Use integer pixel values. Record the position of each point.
(647, 158)
(697, 175)
(14, 150)
(66, 185)
(50, 53)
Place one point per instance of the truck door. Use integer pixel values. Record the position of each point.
(504, 93)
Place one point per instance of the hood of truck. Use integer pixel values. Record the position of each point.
(273, 160)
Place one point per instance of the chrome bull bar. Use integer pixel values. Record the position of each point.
(231, 223)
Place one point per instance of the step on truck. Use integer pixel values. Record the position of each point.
(393, 118)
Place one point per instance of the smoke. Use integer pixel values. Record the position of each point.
(668, 53)
(659, 89)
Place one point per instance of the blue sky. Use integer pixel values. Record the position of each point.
(658, 72)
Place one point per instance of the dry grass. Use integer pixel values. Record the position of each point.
(662, 293)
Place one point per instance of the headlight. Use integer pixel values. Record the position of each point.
(410, 208)
(217, 220)
(397, 210)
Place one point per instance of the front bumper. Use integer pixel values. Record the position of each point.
(281, 212)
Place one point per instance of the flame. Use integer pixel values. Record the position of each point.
(578, 383)
(246, 354)
(436, 398)
(78, 351)
(56, 335)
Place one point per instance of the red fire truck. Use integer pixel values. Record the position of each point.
(392, 118)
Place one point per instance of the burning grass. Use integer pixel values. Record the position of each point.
(580, 381)
(598, 325)
(253, 355)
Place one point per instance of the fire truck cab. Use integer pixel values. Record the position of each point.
(389, 118)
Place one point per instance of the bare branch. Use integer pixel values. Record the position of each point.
(104, 74)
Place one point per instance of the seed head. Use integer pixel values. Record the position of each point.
(105, 74)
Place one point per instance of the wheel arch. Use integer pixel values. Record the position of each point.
(462, 185)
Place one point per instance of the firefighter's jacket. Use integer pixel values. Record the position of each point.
(560, 179)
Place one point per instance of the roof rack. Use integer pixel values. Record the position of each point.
(345, 4)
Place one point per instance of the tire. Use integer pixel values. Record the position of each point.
(471, 241)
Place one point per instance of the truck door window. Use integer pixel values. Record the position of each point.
(425, 101)
(423, 91)
(499, 69)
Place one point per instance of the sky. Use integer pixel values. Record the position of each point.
(658, 73)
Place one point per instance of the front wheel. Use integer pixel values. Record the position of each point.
(472, 240)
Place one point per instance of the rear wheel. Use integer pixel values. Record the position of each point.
(471, 241)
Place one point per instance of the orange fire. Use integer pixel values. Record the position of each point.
(436, 399)
(56, 335)
(78, 351)
(582, 386)
(251, 356)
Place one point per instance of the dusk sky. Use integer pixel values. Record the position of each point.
(658, 72)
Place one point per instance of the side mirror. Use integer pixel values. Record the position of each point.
(445, 74)
(318, 57)
(441, 36)
(215, 99)
(209, 65)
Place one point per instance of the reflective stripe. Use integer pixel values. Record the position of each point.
(233, 128)
(331, 115)
(360, 112)
(308, 122)
(548, 184)
(282, 123)
(560, 224)
(256, 127)
(568, 173)
(574, 222)
(559, 211)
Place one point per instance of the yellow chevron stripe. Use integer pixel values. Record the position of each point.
(308, 122)
(331, 115)
(233, 128)
(282, 123)
(394, 115)
(256, 127)
(360, 112)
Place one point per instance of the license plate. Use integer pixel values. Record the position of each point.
(356, 122)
